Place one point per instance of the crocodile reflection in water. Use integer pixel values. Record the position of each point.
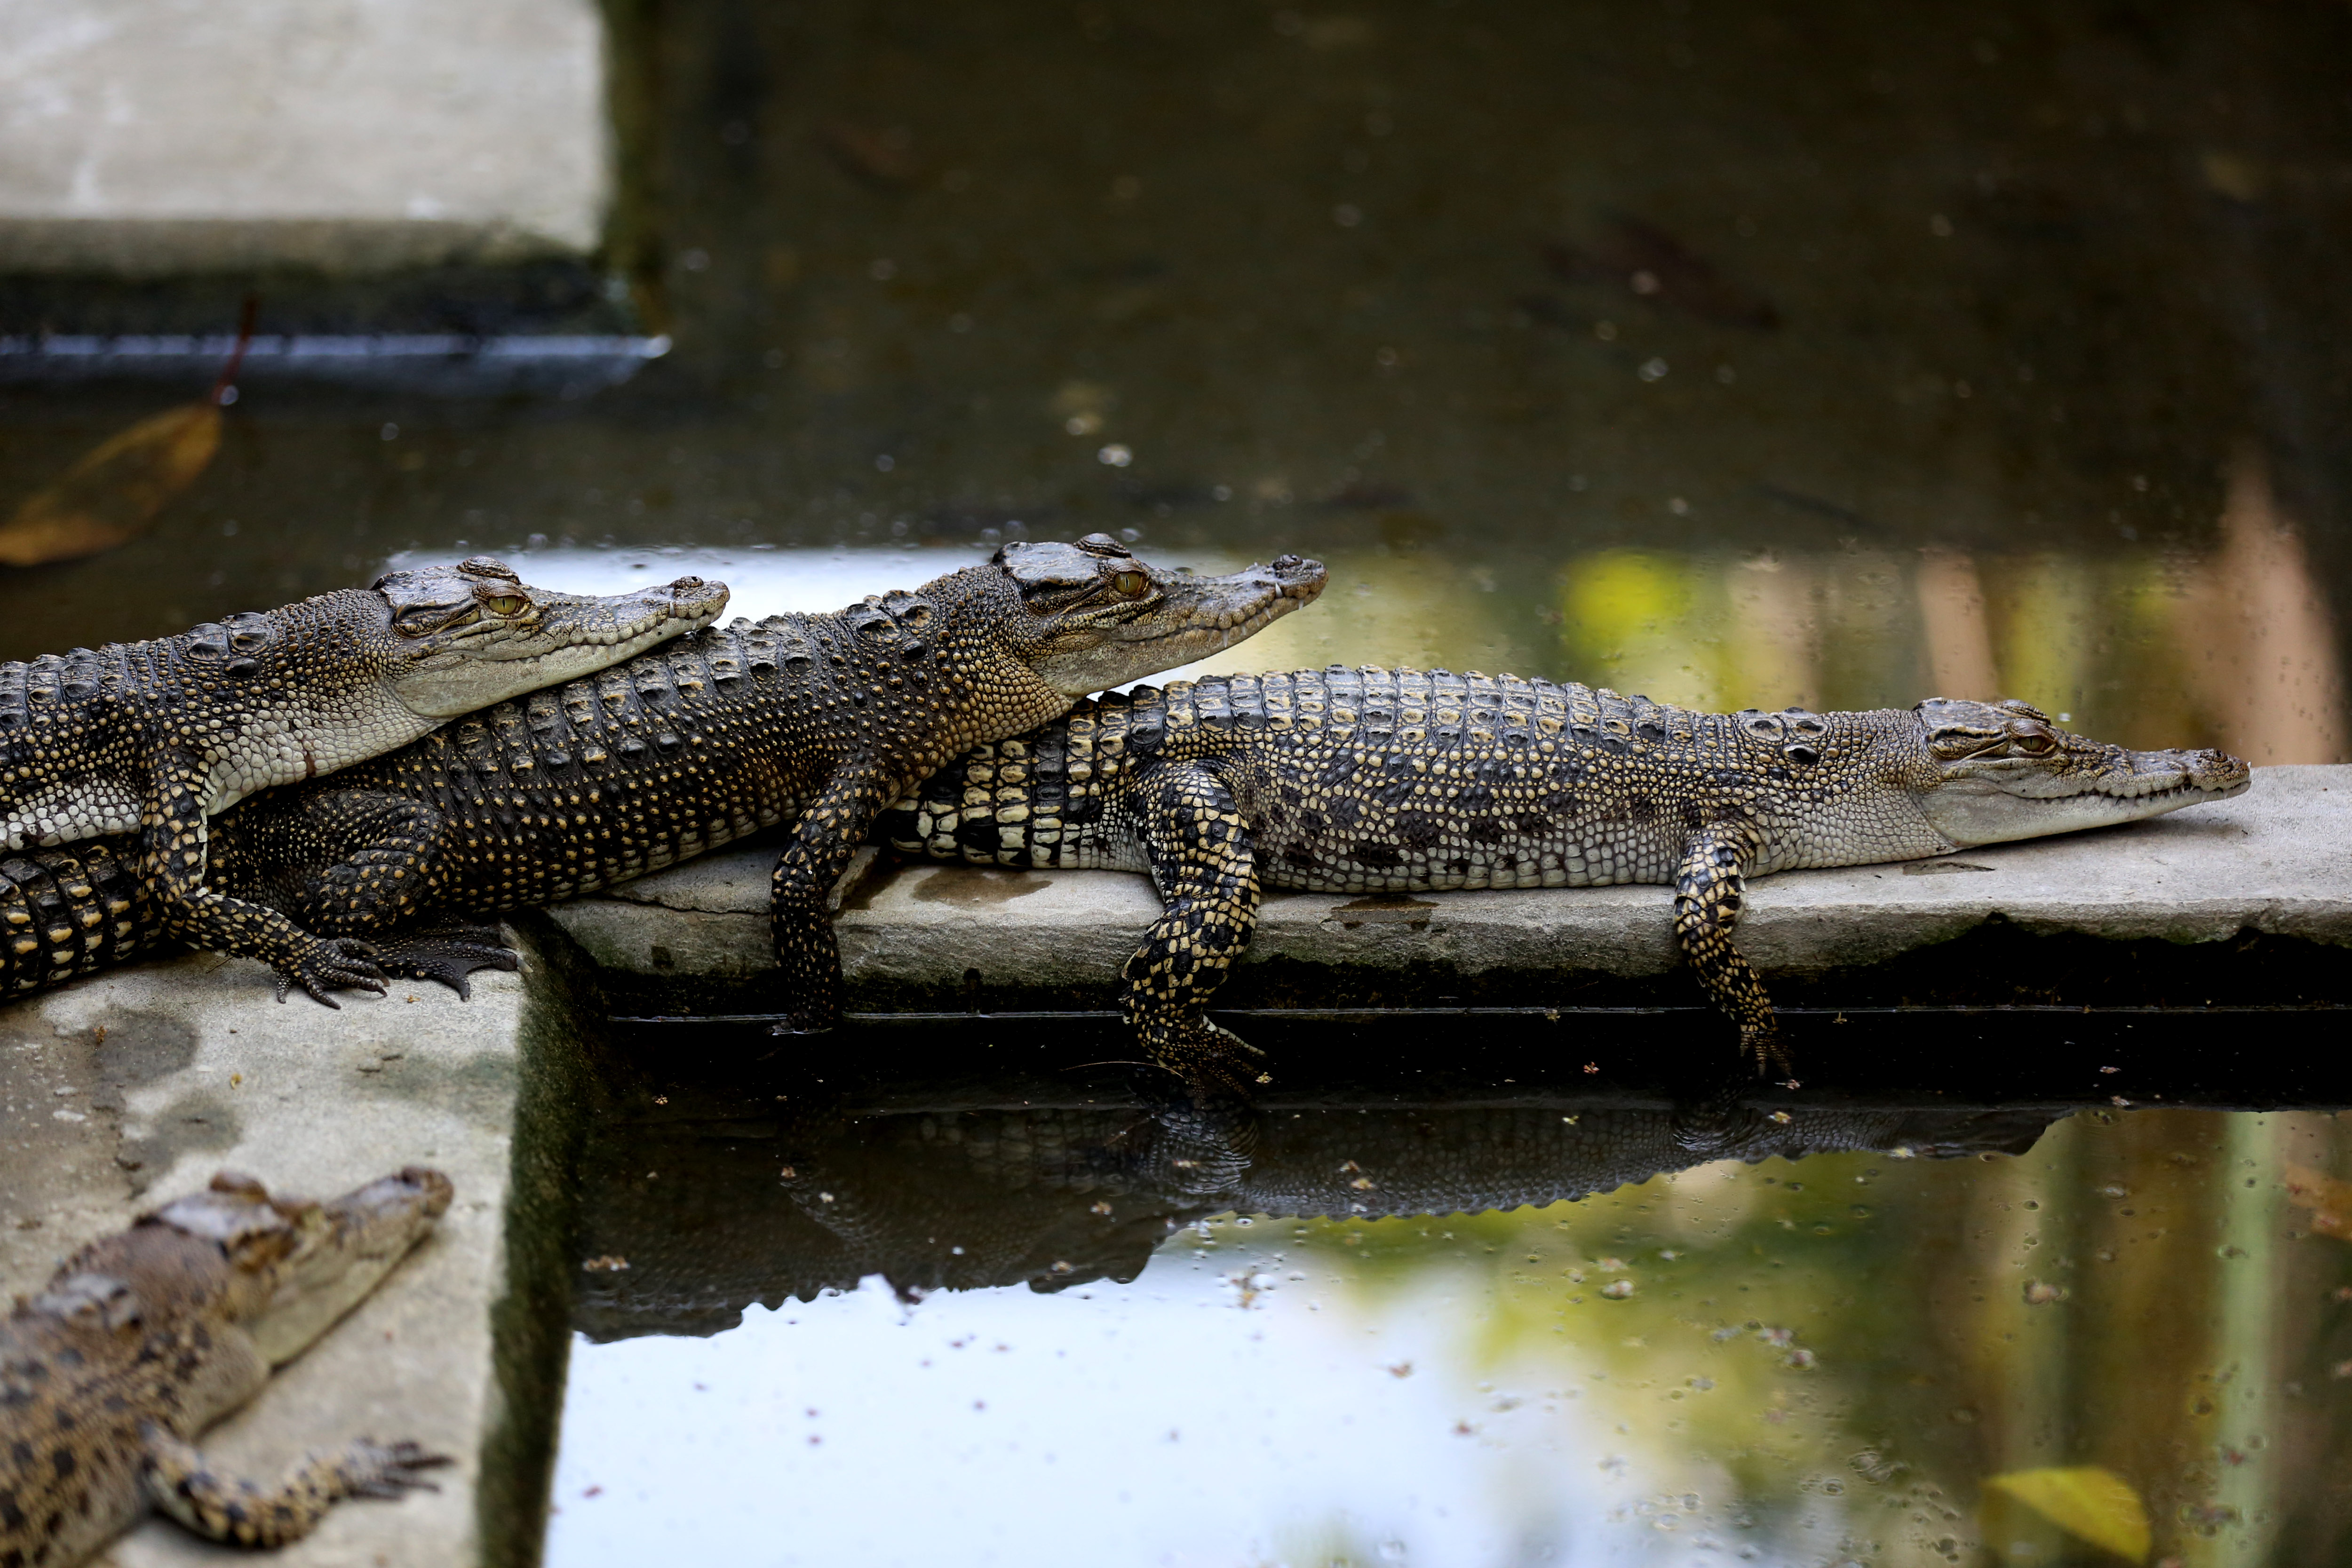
(1058, 1196)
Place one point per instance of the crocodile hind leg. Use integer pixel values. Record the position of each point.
(358, 862)
(351, 862)
(173, 852)
(1203, 862)
(241, 1513)
(1710, 887)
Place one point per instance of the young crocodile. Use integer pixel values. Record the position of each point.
(144, 1339)
(823, 720)
(1365, 781)
(151, 738)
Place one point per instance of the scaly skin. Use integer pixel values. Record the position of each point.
(821, 720)
(144, 1339)
(154, 738)
(1370, 781)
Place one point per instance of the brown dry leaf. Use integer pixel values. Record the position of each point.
(117, 488)
(2089, 1502)
(2328, 1199)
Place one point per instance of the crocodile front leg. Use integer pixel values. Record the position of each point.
(173, 845)
(1710, 888)
(241, 1513)
(1205, 863)
(823, 844)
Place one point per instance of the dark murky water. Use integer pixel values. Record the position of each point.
(1737, 354)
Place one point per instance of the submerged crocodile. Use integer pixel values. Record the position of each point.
(144, 1339)
(153, 737)
(1366, 780)
(821, 720)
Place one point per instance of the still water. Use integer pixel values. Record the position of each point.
(838, 1325)
(1815, 353)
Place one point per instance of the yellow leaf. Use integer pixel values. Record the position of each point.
(116, 488)
(2085, 1500)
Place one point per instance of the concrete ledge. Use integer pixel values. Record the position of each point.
(145, 139)
(131, 1088)
(2276, 860)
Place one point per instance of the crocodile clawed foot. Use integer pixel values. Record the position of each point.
(1207, 1059)
(1760, 1043)
(388, 1470)
(448, 953)
(329, 963)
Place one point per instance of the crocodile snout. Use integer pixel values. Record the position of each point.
(1297, 576)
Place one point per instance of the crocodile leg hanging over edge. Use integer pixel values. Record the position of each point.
(1205, 863)
(1710, 890)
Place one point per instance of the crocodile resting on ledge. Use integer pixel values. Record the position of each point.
(144, 1339)
(153, 737)
(819, 720)
(1360, 781)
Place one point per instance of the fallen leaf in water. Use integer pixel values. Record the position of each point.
(2328, 1199)
(2089, 1502)
(117, 488)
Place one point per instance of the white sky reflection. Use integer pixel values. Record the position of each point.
(1161, 1423)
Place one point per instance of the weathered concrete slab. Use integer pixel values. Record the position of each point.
(2277, 859)
(141, 138)
(129, 1088)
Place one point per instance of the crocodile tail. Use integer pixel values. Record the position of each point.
(72, 910)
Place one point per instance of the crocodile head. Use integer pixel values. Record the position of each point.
(1097, 616)
(294, 1266)
(2001, 770)
(468, 636)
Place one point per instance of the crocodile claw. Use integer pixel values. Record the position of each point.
(388, 1470)
(330, 961)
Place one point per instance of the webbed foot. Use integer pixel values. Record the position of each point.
(327, 963)
(448, 953)
(1207, 1057)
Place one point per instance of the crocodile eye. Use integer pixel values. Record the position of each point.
(1131, 584)
(2034, 745)
(508, 604)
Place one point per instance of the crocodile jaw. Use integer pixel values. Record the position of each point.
(358, 1238)
(483, 661)
(1189, 619)
(1983, 808)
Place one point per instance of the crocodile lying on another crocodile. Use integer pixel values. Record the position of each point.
(151, 738)
(823, 720)
(144, 1339)
(1363, 781)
